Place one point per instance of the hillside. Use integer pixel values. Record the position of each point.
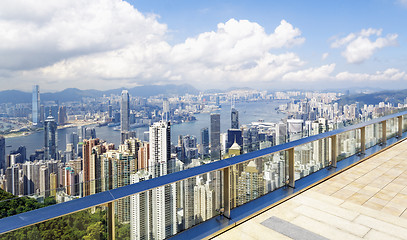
(393, 97)
(74, 94)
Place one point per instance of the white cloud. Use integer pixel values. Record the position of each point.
(36, 34)
(360, 47)
(390, 74)
(104, 44)
(311, 74)
(108, 43)
(324, 56)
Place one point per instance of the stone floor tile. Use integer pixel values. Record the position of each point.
(358, 198)
(376, 235)
(322, 229)
(381, 226)
(334, 221)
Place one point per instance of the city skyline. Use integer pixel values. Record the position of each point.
(223, 44)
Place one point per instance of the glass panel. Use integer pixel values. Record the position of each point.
(372, 135)
(404, 123)
(391, 128)
(254, 178)
(348, 144)
(164, 211)
(311, 157)
(87, 224)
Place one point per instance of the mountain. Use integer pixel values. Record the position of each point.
(15, 96)
(393, 97)
(74, 94)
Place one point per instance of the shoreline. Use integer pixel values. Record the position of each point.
(27, 133)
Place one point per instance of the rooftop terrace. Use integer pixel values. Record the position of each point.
(367, 201)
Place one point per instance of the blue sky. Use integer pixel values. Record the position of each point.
(319, 22)
(210, 44)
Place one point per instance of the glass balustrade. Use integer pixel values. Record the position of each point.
(166, 210)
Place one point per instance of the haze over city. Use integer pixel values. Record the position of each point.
(110, 43)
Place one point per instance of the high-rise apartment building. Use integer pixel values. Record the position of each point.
(50, 138)
(12, 178)
(140, 210)
(44, 181)
(160, 148)
(250, 182)
(163, 204)
(215, 136)
(2, 153)
(125, 112)
(36, 106)
(88, 146)
(122, 162)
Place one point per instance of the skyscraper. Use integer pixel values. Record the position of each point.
(160, 147)
(215, 136)
(86, 163)
(163, 198)
(166, 110)
(62, 118)
(204, 142)
(125, 112)
(234, 135)
(2, 153)
(50, 138)
(36, 105)
(234, 119)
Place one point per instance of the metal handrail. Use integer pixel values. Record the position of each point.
(54, 211)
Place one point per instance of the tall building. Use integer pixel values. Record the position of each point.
(189, 148)
(44, 181)
(52, 110)
(62, 117)
(81, 133)
(36, 105)
(166, 110)
(234, 135)
(163, 198)
(204, 142)
(160, 148)
(90, 133)
(50, 138)
(12, 178)
(86, 164)
(140, 210)
(234, 119)
(122, 163)
(250, 183)
(125, 112)
(2, 153)
(72, 140)
(215, 136)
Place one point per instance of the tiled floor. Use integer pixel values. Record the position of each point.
(368, 201)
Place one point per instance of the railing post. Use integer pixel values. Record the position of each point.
(110, 221)
(334, 148)
(291, 176)
(400, 125)
(384, 138)
(362, 140)
(226, 192)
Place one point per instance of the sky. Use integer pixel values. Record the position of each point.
(281, 44)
